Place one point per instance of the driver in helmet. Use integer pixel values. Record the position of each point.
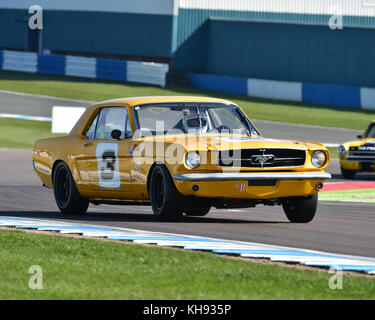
(194, 122)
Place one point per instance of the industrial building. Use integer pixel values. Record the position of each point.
(281, 40)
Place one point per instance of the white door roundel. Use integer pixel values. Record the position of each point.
(108, 165)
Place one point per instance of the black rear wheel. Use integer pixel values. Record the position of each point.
(166, 201)
(67, 197)
(301, 210)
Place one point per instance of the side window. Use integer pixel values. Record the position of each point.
(109, 120)
(90, 133)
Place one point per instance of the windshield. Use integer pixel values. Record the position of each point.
(163, 119)
(370, 131)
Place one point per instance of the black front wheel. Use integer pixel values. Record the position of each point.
(348, 174)
(301, 210)
(197, 212)
(166, 201)
(67, 197)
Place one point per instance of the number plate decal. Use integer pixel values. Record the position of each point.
(108, 165)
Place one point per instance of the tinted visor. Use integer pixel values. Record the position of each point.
(196, 122)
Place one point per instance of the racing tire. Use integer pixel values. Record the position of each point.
(197, 212)
(67, 197)
(301, 210)
(166, 201)
(348, 174)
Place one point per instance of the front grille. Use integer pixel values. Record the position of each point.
(363, 154)
(261, 158)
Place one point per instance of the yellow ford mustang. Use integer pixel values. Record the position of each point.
(359, 155)
(181, 155)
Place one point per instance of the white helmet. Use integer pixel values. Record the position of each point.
(194, 123)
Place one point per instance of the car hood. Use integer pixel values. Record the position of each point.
(357, 143)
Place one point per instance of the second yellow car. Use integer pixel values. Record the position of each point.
(359, 155)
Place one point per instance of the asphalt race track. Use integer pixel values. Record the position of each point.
(41, 106)
(33, 105)
(340, 228)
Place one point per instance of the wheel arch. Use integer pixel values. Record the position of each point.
(150, 173)
(54, 168)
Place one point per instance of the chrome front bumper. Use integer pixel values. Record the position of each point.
(253, 176)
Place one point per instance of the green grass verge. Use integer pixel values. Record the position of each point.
(95, 90)
(358, 195)
(333, 152)
(94, 269)
(21, 134)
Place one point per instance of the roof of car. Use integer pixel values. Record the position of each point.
(133, 101)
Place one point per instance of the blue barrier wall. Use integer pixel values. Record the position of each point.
(51, 64)
(109, 69)
(345, 96)
(325, 94)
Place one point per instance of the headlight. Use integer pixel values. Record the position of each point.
(318, 159)
(341, 150)
(193, 159)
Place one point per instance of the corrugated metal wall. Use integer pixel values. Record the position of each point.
(193, 13)
(109, 33)
(133, 28)
(290, 52)
(295, 45)
(305, 11)
(13, 29)
(163, 7)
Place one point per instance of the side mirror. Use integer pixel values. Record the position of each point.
(359, 136)
(116, 134)
(128, 135)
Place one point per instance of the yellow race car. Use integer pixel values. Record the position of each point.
(359, 155)
(179, 155)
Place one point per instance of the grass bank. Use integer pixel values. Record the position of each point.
(358, 195)
(95, 269)
(21, 134)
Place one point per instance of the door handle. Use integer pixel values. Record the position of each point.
(86, 144)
